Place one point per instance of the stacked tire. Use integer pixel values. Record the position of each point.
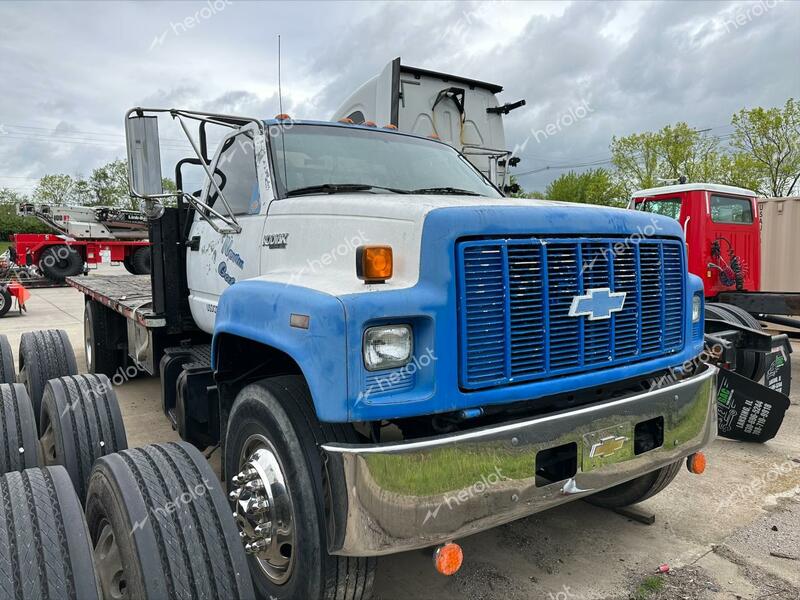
(157, 523)
(45, 548)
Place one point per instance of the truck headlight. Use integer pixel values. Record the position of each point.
(697, 305)
(387, 346)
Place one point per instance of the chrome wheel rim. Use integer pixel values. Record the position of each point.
(263, 509)
(48, 444)
(109, 565)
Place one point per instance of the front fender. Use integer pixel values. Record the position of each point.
(261, 311)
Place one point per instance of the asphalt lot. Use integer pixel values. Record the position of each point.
(716, 531)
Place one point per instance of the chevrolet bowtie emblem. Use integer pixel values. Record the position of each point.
(607, 446)
(597, 303)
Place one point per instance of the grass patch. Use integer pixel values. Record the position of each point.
(4, 246)
(648, 587)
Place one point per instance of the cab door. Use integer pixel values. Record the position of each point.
(216, 259)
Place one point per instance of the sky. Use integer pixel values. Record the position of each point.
(70, 70)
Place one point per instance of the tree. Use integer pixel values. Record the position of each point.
(54, 189)
(590, 187)
(740, 169)
(644, 160)
(635, 158)
(10, 222)
(110, 184)
(772, 138)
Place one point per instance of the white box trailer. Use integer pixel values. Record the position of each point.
(463, 112)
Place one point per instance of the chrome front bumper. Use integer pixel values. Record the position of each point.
(393, 497)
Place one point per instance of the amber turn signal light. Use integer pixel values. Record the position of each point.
(448, 558)
(374, 263)
(696, 463)
(282, 117)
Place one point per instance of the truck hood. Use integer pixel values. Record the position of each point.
(322, 232)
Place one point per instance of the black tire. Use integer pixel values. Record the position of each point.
(102, 336)
(19, 446)
(80, 422)
(45, 549)
(6, 301)
(280, 409)
(44, 355)
(163, 511)
(126, 262)
(59, 262)
(8, 374)
(140, 261)
(637, 490)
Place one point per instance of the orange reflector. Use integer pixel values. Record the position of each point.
(374, 263)
(696, 463)
(433, 136)
(448, 558)
(390, 126)
(370, 124)
(283, 117)
(347, 120)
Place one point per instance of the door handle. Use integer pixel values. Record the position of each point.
(194, 243)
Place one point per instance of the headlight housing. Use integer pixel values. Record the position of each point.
(387, 347)
(697, 305)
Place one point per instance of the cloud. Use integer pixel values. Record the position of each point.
(639, 66)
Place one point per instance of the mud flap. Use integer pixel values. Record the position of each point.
(778, 370)
(746, 410)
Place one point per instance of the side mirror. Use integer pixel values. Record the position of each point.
(144, 156)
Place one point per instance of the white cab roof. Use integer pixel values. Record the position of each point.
(693, 187)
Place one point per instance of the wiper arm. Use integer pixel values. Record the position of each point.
(338, 188)
(445, 190)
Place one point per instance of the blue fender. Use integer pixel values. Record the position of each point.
(260, 311)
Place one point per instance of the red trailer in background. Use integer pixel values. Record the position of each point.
(84, 236)
(59, 256)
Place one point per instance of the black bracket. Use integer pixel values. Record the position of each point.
(505, 109)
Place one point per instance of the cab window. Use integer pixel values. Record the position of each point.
(237, 176)
(669, 207)
(725, 209)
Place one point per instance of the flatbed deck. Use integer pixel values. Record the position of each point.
(129, 295)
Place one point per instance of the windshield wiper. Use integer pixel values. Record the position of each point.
(339, 188)
(445, 190)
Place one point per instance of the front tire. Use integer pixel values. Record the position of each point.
(637, 490)
(273, 430)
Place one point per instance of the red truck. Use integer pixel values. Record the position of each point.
(722, 228)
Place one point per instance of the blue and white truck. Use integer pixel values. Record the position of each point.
(390, 353)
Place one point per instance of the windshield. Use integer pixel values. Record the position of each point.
(669, 207)
(329, 159)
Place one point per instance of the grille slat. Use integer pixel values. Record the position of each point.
(515, 296)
